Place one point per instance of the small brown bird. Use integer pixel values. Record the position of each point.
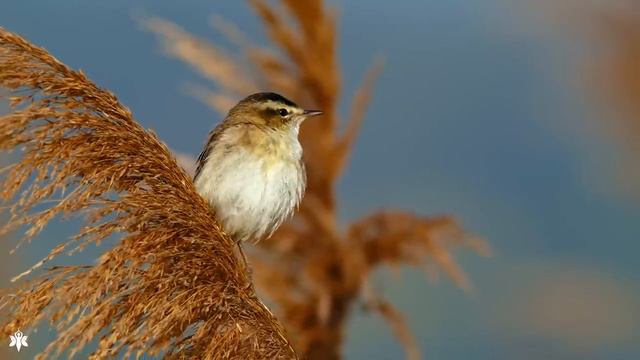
(251, 170)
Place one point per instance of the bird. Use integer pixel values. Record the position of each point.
(251, 170)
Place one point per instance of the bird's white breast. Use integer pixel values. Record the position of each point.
(252, 192)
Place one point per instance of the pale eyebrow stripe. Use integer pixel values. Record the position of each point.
(277, 105)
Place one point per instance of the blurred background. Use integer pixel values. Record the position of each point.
(520, 118)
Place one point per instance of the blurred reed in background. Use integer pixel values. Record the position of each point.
(611, 32)
(312, 270)
(618, 74)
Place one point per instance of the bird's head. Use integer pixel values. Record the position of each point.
(271, 110)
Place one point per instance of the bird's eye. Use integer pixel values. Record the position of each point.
(283, 112)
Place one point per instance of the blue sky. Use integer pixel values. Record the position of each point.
(479, 113)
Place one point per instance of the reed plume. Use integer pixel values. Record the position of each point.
(311, 270)
(7, 262)
(612, 77)
(172, 285)
(619, 81)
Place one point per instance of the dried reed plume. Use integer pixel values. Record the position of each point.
(172, 285)
(613, 31)
(310, 269)
(619, 76)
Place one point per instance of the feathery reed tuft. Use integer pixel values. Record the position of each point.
(310, 269)
(172, 285)
(619, 83)
(612, 29)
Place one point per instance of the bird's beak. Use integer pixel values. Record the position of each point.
(311, 113)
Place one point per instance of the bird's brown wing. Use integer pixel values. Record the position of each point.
(214, 135)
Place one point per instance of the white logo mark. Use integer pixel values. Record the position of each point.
(18, 340)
